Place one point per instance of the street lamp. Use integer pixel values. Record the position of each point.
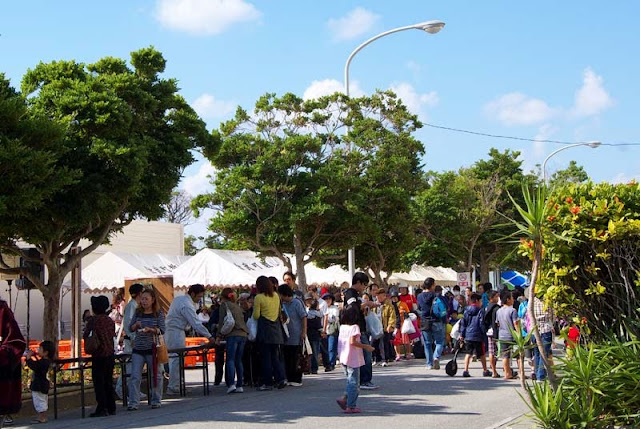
(431, 27)
(592, 145)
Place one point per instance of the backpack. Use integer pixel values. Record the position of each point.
(438, 308)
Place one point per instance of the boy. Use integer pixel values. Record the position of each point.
(507, 320)
(388, 314)
(39, 363)
(472, 334)
(492, 330)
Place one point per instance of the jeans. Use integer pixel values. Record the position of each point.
(291, 359)
(271, 365)
(315, 349)
(137, 362)
(333, 350)
(102, 374)
(174, 339)
(353, 385)
(436, 334)
(547, 340)
(235, 349)
(366, 370)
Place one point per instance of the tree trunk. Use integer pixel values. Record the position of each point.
(537, 260)
(51, 309)
(484, 266)
(301, 276)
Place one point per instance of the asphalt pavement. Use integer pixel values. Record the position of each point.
(410, 396)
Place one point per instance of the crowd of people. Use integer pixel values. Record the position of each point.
(273, 335)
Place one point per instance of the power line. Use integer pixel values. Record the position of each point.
(497, 136)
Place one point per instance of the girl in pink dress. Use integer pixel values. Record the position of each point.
(350, 351)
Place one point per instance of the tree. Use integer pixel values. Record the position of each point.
(574, 173)
(127, 138)
(178, 209)
(190, 247)
(290, 183)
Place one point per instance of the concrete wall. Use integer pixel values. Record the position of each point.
(139, 237)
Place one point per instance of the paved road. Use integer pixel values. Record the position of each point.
(409, 397)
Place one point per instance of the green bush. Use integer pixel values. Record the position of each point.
(598, 389)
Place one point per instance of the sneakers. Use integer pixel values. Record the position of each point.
(354, 410)
(466, 374)
(132, 408)
(239, 390)
(429, 367)
(295, 384)
(264, 388)
(342, 403)
(231, 389)
(487, 374)
(282, 385)
(170, 392)
(369, 386)
(436, 364)
(399, 358)
(155, 406)
(383, 364)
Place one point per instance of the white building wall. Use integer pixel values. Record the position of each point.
(138, 237)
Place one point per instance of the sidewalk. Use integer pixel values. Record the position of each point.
(410, 396)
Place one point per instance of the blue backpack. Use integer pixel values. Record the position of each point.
(438, 308)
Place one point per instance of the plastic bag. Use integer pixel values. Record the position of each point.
(407, 327)
(374, 326)
(252, 326)
(455, 331)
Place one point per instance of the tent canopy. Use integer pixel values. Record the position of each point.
(417, 274)
(513, 279)
(111, 269)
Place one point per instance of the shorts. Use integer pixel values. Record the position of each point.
(474, 347)
(40, 401)
(507, 350)
(492, 346)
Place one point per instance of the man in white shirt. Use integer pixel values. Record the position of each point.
(181, 315)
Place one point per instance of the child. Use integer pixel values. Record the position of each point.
(39, 363)
(507, 322)
(350, 350)
(492, 330)
(472, 334)
(388, 314)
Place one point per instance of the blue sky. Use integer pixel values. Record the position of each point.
(542, 70)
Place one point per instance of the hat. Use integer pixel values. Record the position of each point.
(308, 296)
(328, 295)
(99, 304)
(394, 293)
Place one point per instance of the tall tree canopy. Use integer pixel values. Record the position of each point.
(128, 136)
(291, 182)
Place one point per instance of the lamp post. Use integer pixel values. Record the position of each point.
(431, 27)
(592, 145)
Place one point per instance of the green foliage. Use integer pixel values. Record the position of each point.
(598, 389)
(592, 257)
(574, 173)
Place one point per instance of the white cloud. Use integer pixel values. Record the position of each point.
(199, 183)
(519, 109)
(356, 23)
(540, 147)
(204, 17)
(414, 101)
(208, 107)
(319, 88)
(625, 178)
(591, 99)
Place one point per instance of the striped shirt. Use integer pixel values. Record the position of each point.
(143, 342)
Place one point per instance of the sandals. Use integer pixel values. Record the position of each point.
(354, 410)
(36, 421)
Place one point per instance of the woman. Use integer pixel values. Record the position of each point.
(292, 348)
(266, 310)
(12, 346)
(236, 339)
(102, 328)
(250, 357)
(148, 323)
(402, 342)
(332, 328)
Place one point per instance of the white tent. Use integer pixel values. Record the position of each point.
(111, 269)
(214, 267)
(442, 276)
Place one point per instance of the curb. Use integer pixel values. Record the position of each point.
(505, 422)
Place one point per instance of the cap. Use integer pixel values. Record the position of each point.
(308, 296)
(328, 295)
(394, 293)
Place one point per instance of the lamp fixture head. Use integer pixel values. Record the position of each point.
(431, 27)
(594, 144)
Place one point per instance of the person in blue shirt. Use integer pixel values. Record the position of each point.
(486, 287)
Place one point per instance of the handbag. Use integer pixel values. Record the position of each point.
(228, 324)
(407, 327)
(304, 360)
(162, 354)
(91, 342)
(252, 327)
(452, 366)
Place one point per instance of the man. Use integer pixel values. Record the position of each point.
(290, 279)
(358, 285)
(432, 328)
(292, 349)
(135, 290)
(507, 321)
(181, 315)
(486, 287)
(544, 320)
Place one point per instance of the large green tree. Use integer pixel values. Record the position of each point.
(128, 136)
(290, 181)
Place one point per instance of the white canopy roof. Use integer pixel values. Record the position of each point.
(214, 267)
(111, 269)
(442, 276)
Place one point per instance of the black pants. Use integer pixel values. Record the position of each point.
(378, 354)
(291, 359)
(102, 374)
(324, 349)
(251, 364)
(219, 364)
(389, 352)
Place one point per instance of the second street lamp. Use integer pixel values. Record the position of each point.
(592, 145)
(431, 27)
